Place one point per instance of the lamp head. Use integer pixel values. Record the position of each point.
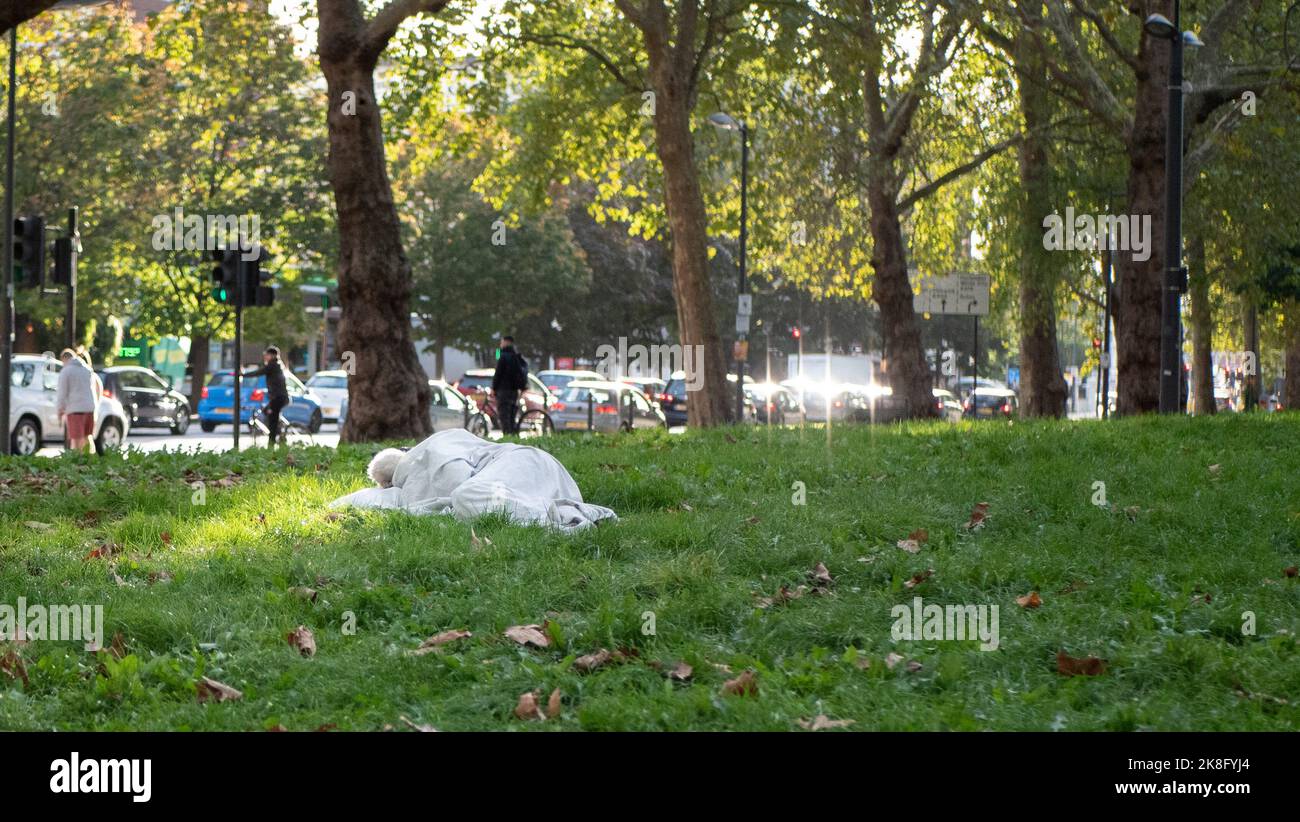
(1191, 40)
(724, 121)
(1157, 25)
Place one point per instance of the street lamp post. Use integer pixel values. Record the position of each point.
(726, 122)
(1174, 282)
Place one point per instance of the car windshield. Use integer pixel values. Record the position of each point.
(990, 400)
(469, 383)
(677, 388)
(579, 393)
(328, 381)
(222, 379)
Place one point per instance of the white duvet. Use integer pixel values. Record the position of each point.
(454, 472)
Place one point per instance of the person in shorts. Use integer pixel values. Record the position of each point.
(77, 400)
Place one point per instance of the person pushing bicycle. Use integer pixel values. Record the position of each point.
(276, 390)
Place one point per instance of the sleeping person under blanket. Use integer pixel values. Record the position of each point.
(455, 472)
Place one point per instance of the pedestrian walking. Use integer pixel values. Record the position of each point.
(276, 391)
(510, 378)
(77, 400)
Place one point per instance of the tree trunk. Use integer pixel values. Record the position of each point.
(1202, 329)
(198, 368)
(689, 230)
(1291, 395)
(1042, 386)
(1137, 314)
(388, 392)
(909, 376)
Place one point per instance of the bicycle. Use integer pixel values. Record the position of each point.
(534, 422)
(291, 433)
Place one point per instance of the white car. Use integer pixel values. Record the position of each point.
(332, 388)
(33, 414)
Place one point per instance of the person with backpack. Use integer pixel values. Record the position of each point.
(509, 379)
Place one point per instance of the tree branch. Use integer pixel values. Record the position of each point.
(384, 25)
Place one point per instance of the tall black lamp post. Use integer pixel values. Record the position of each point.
(1174, 283)
(726, 122)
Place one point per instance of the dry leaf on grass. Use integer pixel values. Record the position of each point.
(977, 516)
(303, 640)
(918, 578)
(216, 691)
(38, 526)
(303, 592)
(821, 722)
(1079, 666)
(527, 707)
(426, 729)
(681, 672)
(911, 546)
(553, 704)
(475, 541)
(1215, 469)
(893, 659)
(435, 642)
(1029, 600)
(534, 635)
(1291, 571)
(590, 662)
(821, 578)
(744, 685)
(11, 663)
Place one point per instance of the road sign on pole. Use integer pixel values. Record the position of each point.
(965, 295)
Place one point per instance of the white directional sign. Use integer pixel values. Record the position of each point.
(961, 294)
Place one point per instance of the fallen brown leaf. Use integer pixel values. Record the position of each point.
(590, 662)
(911, 546)
(1291, 571)
(528, 635)
(893, 659)
(918, 578)
(1029, 600)
(38, 526)
(821, 578)
(475, 541)
(303, 640)
(553, 704)
(821, 722)
(426, 729)
(744, 685)
(216, 691)
(435, 642)
(303, 592)
(11, 663)
(528, 709)
(1080, 666)
(977, 516)
(681, 672)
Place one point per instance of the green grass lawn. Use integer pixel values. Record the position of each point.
(1155, 583)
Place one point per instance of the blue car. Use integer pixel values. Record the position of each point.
(216, 406)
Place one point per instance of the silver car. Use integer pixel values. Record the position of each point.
(599, 405)
(451, 409)
(33, 412)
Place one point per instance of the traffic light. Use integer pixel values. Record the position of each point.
(796, 332)
(65, 261)
(225, 276)
(29, 251)
(256, 294)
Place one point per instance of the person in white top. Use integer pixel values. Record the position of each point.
(78, 399)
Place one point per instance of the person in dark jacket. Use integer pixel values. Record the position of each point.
(276, 391)
(510, 378)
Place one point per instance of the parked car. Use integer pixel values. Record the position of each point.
(148, 399)
(33, 409)
(555, 379)
(652, 387)
(332, 388)
(948, 406)
(216, 402)
(775, 404)
(614, 406)
(991, 403)
(451, 409)
(477, 385)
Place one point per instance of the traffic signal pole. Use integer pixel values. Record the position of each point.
(237, 410)
(7, 313)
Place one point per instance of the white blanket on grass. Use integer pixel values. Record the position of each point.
(454, 472)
